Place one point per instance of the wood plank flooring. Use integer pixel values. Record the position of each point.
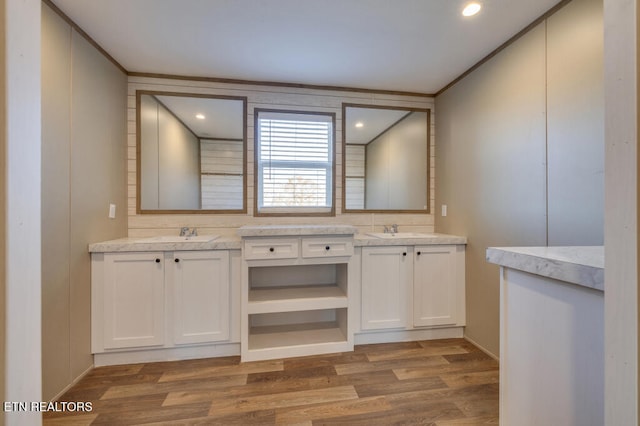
(437, 382)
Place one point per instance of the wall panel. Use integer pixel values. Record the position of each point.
(575, 124)
(56, 145)
(490, 162)
(83, 171)
(520, 152)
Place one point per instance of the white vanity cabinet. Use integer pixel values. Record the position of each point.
(129, 305)
(386, 286)
(435, 286)
(200, 303)
(412, 287)
(150, 300)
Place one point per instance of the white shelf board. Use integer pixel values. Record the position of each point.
(295, 298)
(295, 335)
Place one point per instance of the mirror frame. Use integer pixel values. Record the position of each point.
(244, 99)
(344, 155)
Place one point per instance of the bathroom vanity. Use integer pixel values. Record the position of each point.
(272, 292)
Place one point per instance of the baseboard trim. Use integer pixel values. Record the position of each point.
(166, 354)
(70, 385)
(393, 336)
(482, 348)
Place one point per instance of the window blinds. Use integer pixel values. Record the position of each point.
(294, 160)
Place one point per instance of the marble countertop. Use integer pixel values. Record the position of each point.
(582, 265)
(295, 230)
(235, 243)
(146, 244)
(429, 239)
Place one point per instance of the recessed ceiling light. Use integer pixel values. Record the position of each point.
(359, 124)
(200, 116)
(471, 9)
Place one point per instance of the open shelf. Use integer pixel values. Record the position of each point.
(295, 309)
(284, 336)
(296, 298)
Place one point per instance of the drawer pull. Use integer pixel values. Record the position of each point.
(157, 260)
(327, 248)
(419, 253)
(271, 249)
(404, 254)
(177, 260)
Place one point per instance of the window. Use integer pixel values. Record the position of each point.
(294, 162)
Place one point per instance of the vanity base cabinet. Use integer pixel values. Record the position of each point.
(200, 281)
(406, 289)
(159, 301)
(435, 286)
(386, 284)
(133, 300)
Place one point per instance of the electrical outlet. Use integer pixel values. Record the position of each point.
(112, 211)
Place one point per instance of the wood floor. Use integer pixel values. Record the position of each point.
(441, 382)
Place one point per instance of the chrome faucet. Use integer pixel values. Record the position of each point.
(184, 231)
(194, 233)
(393, 229)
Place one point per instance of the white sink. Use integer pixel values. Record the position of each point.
(399, 235)
(178, 239)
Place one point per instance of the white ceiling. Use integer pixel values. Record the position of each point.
(374, 121)
(223, 118)
(400, 45)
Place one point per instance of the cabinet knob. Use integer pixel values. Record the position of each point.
(177, 260)
(271, 249)
(327, 248)
(419, 253)
(404, 254)
(157, 260)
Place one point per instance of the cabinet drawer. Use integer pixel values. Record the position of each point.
(327, 247)
(282, 248)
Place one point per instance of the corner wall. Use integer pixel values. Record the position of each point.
(622, 248)
(20, 125)
(83, 170)
(3, 205)
(520, 152)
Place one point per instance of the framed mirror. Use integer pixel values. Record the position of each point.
(386, 159)
(191, 153)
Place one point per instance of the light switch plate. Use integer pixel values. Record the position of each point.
(112, 211)
(444, 210)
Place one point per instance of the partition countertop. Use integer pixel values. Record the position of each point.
(581, 265)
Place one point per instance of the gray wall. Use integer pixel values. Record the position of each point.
(575, 124)
(170, 160)
(83, 171)
(395, 162)
(519, 154)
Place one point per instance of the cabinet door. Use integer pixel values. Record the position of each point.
(386, 280)
(201, 301)
(133, 300)
(434, 288)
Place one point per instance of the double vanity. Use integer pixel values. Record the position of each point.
(274, 292)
